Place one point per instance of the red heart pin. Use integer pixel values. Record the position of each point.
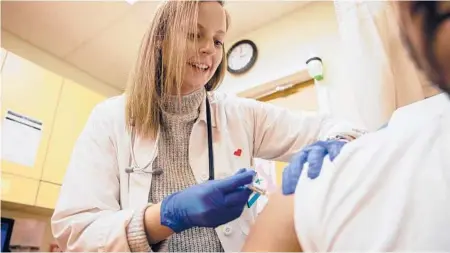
(238, 152)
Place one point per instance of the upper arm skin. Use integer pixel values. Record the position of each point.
(274, 229)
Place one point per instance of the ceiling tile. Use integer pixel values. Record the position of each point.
(60, 26)
(111, 54)
(263, 13)
(14, 18)
(103, 37)
(145, 10)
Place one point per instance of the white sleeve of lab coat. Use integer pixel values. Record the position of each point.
(280, 133)
(88, 216)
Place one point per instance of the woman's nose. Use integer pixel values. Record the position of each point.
(207, 47)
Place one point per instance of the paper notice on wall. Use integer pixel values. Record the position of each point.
(20, 137)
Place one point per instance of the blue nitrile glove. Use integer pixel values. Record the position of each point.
(314, 155)
(209, 204)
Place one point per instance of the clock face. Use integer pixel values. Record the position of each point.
(241, 56)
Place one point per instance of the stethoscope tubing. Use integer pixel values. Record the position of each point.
(134, 167)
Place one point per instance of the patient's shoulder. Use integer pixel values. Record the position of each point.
(366, 182)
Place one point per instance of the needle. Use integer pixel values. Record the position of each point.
(257, 189)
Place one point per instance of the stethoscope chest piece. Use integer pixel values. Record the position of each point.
(131, 169)
(132, 164)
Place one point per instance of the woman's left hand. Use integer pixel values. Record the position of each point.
(314, 155)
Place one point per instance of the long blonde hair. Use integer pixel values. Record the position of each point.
(150, 81)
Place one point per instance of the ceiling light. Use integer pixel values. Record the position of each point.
(131, 1)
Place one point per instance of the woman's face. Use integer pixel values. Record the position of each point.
(204, 57)
(431, 51)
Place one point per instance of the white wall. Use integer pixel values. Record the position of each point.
(286, 44)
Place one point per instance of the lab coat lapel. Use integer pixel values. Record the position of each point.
(145, 150)
(198, 143)
(198, 151)
(226, 162)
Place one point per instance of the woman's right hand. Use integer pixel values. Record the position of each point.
(209, 204)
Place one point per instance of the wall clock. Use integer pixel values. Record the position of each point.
(241, 56)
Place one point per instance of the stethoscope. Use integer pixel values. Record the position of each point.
(134, 167)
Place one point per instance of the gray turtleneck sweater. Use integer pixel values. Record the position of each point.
(178, 118)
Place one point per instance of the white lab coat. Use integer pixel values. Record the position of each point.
(387, 191)
(98, 197)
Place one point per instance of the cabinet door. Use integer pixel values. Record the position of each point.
(18, 189)
(31, 91)
(47, 195)
(279, 167)
(73, 111)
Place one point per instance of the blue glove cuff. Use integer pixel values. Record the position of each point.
(171, 216)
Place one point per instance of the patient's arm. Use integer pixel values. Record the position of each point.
(274, 228)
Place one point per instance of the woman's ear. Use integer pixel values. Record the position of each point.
(208, 86)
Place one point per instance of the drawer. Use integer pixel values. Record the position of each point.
(47, 195)
(18, 189)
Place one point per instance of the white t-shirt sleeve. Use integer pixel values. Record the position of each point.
(310, 197)
(332, 211)
(386, 191)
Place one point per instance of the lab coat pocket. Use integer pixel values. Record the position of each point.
(138, 189)
(247, 219)
(231, 236)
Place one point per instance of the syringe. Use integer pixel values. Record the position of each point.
(257, 189)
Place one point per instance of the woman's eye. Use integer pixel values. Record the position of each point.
(218, 43)
(193, 36)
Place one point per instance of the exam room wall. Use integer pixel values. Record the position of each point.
(54, 98)
(283, 47)
(27, 195)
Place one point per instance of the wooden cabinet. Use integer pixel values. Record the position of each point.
(47, 195)
(18, 189)
(74, 108)
(63, 107)
(32, 91)
(279, 167)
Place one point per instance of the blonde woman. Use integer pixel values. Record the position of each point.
(160, 167)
